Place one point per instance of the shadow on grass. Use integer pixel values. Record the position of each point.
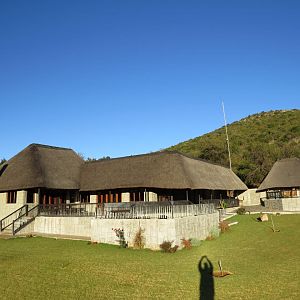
(206, 285)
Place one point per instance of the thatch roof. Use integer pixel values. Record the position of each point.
(285, 173)
(168, 170)
(41, 166)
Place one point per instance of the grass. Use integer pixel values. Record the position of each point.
(266, 265)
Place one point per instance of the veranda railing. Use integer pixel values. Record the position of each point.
(130, 210)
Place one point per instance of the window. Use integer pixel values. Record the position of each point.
(30, 196)
(12, 197)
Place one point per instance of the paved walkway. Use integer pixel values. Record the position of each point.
(262, 209)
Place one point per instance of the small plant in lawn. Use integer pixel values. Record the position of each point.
(195, 242)
(210, 238)
(92, 243)
(166, 247)
(241, 211)
(139, 240)
(121, 237)
(224, 226)
(186, 243)
(213, 234)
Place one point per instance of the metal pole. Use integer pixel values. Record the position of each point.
(227, 138)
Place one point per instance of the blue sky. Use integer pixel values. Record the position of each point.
(127, 77)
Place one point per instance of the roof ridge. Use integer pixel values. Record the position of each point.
(173, 152)
(48, 146)
(127, 156)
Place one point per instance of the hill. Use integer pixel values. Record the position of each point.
(256, 142)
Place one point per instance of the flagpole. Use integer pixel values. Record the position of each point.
(227, 138)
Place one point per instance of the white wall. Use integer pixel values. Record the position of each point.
(7, 208)
(125, 197)
(152, 197)
(250, 197)
(290, 204)
(93, 198)
(70, 226)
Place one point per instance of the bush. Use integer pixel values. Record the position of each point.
(121, 237)
(210, 237)
(224, 226)
(166, 247)
(213, 234)
(195, 242)
(139, 240)
(186, 243)
(241, 211)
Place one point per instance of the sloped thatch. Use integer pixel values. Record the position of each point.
(168, 170)
(285, 173)
(41, 166)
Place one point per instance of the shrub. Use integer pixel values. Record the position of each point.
(139, 240)
(213, 234)
(186, 243)
(241, 211)
(92, 243)
(195, 242)
(224, 226)
(210, 237)
(166, 247)
(121, 237)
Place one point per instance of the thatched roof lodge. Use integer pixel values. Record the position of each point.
(169, 174)
(53, 175)
(166, 170)
(284, 176)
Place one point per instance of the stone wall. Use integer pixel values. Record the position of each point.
(155, 230)
(72, 226)
(273, 204)
(284, 204)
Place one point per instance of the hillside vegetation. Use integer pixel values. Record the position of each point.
(256, 142)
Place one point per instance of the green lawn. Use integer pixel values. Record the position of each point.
(266, 265)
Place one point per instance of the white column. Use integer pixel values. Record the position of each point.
(125, 197)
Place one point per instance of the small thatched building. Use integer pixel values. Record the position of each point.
(283, 184)
(283, 180)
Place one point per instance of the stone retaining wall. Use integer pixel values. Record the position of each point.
(284, 204)
(73, 226)
(101, 230)
(155, 230)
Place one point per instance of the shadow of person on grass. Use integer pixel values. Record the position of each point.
(206, 285)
